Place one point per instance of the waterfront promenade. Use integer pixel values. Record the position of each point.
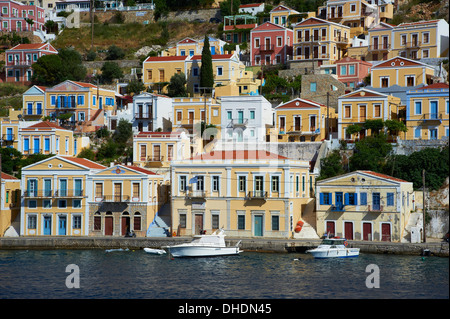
(436, 248)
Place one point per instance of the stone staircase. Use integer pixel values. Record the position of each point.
(160, 226)
(415, 220)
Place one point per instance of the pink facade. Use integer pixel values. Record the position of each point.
(14, 13)
(352, 71)
(271, 44)
(20, 58)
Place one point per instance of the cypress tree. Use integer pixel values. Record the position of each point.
(206, 70)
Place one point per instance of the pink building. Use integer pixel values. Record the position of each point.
(352, 71)
(14, 16)
(270, 44)
(20, 58)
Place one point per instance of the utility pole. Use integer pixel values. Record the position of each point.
(327, 131)
(91, 9)
(423, 210)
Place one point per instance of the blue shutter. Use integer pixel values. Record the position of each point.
(346, 199)
(390, 199)
(363, 198)
(356, 199)
(330, 198)
(321, 199)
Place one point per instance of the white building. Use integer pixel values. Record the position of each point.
(251, 8)
(244, 121)
(152, 112)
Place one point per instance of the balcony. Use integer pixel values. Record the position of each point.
(341, 40)
(238, 123)
(337, 208)
(375, 208)
(338, 15)
(265, 48)
(380, 47)
(155, 158)
(113, 198)
(295, 130)
(8, 137)
(61, 193)
(37, 112)
(432, 117)
(319, 56)
(20, 63)
(143, 116)
(410, 45)
(311, 39)
(257, 195)
(198, 194)
(72, 193)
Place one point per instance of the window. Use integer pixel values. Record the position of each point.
(403, 39)
(279, 41)
(313, 86)
(215, 221)
(347, 111)
(252, 115)
(257, 43)
(426, 37)
(417, 132)
(384, 82)
(47, 145)
(410, 79)
(183, 183)
(179, 116)
(200, 183)
(182, 220)
(77, 222)
(425, 53)
(32, 204)
(351, 199)
(215, 183)
(31, 221)
(325, 198)
(76, 203)
(47, 203)
(80, 99)
(242, 184)
(241, 221)
(390, 199)
(195, 71)
(229, 115)
(219, 71)
(275, 222)
(353, 7)
(343, 70)
(418, 107)
(275, 184)
(259, 183)
(62, 203)
(363, 198)
(351, 69)
(149, 74)
(182, 52)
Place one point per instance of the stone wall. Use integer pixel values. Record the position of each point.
(406, 147)
(139, 16)
(324, 83)
(121, 63)
(192, 15)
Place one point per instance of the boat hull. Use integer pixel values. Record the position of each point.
(334, 253)
(191, 251)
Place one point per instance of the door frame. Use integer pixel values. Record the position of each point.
(258, 214)
(381, 231)
(363, 233)
(60, 218)
(46, 217)
(326, 226)
(344, 233)
(194, 224)
(108, 217)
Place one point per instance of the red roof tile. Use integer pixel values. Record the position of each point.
(140, 169)
(299, 103)
(166, 58)
(84, 162)
(44, 125)
(385, 176)
(7, 176)
(214, 57)
(435, 86)
(238, 155)
(158, 134)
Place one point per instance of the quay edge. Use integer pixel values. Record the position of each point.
(440, 249)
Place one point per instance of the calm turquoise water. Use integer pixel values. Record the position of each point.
(138, 275)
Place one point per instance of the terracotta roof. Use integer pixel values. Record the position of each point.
(7, 176)
(349, 59)
(435, 86)
(86, 85)
(397, 62)
(158, 134)
(140, 169)
(44, 125)
(84, 162)
(250, 5)
(166, 58)
(407, 24)
(238, 155)
(299, 103)
(385, 176)
(214, 57)
(28, 46)
(269, 26)
(187, 40)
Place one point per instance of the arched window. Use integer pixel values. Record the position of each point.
(97, 221)
(137, 221)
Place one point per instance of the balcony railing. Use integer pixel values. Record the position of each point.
(238, 123)
(335, 15)
(8, 137)
(375, 208)
(412, 44)
(113, 198)
(337, 208)
(32, 111)
(61, 193)
(311, 39)
(379, 47)
(143, 116)
(155, 158)
(296, 129)
(266, 48)
(196, 194)
(432, 117)
(310, 56)
(257, 195)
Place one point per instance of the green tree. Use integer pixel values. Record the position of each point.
(110, 71)
(331, 166)
(177, 85)
(227, 10)
(374, 125)
(123, 132)
(115, 53)
(206, 69)
(87, 153)
(370, 153)
(72, 63)
(135, 86)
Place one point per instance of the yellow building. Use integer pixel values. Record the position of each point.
(427, 112)
(159, 149)
(189, 47)
(10, 201)
(280, 15)
(320, 40)
(123, 199)
(248, 193)
(402, 72)
(359, 15)
(86, 102)
(301, 120)
(55, 197)
(381, 42)
(364, 205)
(34, 103)
(359, 106)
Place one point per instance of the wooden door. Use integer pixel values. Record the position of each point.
(367, 231)
(117, 192)
(330, 228)
(156, 153)
(385, 232)
(198, 223)
(191, 117)
(109, 225)
(258, 225)
(348, 230)
(362, 113)
(125, 225)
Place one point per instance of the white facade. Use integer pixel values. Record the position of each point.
(152, 112)
(252, 9)
(244, 121)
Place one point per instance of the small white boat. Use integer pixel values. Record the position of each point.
(334, 248)
(205, 246)
(154, 251)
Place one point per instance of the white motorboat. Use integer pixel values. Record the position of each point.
(204, 246)
(155, 251)
(334, 248)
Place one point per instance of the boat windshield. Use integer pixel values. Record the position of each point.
(333, 242)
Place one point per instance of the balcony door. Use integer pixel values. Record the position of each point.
(117, 192)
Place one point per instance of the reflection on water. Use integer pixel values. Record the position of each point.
(136, 274)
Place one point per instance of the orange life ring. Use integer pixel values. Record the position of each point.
(298, 228)
(300, 223)
(345, 243)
